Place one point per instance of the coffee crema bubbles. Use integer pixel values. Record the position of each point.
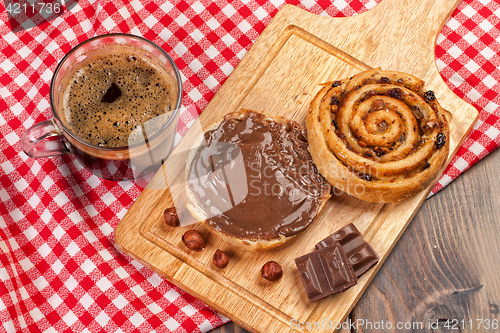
(111, 95)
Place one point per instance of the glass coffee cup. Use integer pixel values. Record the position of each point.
(115, 102)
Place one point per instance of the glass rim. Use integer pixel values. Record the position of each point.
(175, 111)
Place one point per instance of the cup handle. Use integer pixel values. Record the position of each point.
(35, 140)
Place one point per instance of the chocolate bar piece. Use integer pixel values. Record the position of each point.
(360, 254)
(325, 272)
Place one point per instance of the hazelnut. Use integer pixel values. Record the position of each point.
(170, 216)
(271, 271)
(193, 240)
(220, 259)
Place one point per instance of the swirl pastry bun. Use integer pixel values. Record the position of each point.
(269, 202)
(378, 135)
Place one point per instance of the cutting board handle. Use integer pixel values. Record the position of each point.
(398, 35)
(429, 15)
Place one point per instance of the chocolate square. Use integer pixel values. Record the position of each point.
(325, 272)
(361, 256)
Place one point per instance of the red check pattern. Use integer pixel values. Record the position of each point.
(59, 269)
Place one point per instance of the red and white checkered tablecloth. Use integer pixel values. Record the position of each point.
(59, 269)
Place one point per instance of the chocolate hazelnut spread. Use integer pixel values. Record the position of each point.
(276, 190)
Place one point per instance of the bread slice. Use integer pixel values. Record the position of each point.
(254, 244)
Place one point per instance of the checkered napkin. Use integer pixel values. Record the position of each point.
(59, 269)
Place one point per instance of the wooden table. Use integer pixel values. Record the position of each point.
(444, 271)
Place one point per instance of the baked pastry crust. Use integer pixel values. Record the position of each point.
(378, 135)
(250, 244)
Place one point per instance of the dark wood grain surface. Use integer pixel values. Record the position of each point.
(444, 273)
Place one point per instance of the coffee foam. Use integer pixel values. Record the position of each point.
(112, 93)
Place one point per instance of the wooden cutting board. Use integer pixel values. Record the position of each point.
(281, 74)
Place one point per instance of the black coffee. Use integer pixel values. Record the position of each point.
(112, 94)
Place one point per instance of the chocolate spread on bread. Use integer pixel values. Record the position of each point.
(282, 188)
